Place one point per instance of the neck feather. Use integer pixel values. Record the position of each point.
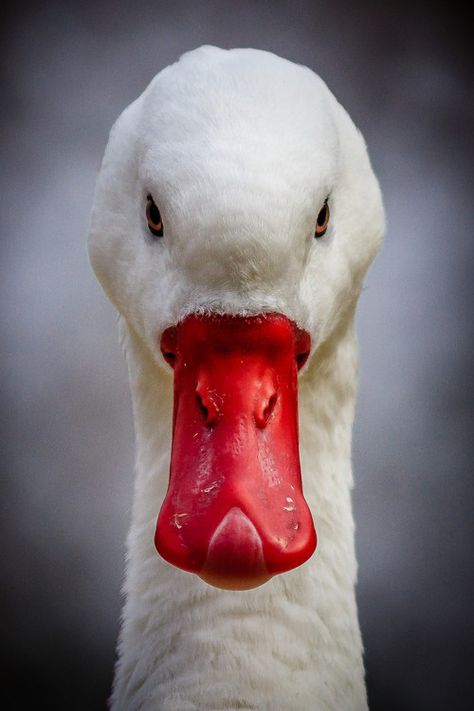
(185, 645)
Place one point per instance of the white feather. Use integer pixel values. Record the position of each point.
(240, 149)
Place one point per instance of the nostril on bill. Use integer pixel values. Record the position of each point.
(202, 407)
(264, 409)
(208, 409)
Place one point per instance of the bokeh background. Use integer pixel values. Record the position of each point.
(68, 69)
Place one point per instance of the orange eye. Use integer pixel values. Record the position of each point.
(322, 221)
(153, 216)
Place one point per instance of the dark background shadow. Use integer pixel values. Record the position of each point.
(402, 72)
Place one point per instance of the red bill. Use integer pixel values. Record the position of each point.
(234, 512)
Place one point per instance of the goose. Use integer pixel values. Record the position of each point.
(235, 216)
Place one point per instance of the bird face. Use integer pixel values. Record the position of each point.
(236, 206)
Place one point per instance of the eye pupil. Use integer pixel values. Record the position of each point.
(155, 213)
(153, 216)
(322, 221)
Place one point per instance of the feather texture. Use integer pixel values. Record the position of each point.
(240, 149)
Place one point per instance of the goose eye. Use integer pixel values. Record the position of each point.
(153, 216)
(322, 221)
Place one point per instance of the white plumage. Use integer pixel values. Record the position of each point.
(240, 149)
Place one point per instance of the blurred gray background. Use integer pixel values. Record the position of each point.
(402, 71)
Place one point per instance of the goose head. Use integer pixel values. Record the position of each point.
(235, 216)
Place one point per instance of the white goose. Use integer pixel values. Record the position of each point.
(235, 216)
